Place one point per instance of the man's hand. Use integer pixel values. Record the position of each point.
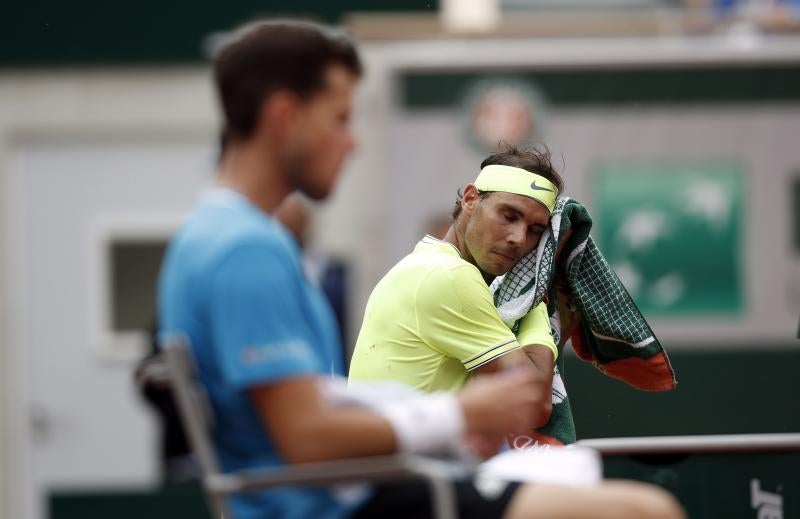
(502, 403)
(484, 446)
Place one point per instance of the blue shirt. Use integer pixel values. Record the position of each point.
(232, 282)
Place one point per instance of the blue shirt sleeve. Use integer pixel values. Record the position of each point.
(257, 317)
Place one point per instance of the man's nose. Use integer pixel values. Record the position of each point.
(517, 235)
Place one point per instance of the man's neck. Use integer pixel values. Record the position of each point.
(252, 171)
(455, 237)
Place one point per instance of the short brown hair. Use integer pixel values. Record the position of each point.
(270, 55)
(534, 159)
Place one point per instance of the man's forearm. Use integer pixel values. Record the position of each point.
(305, 428)
(542, 359)
(312, 421)
(338, 433)
(539, 361)
(539, 358)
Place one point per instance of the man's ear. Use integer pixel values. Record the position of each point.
(279, 112)
(470, 199)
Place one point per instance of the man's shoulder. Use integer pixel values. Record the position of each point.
(418, 269)
(213, 236)
(441, 267)
(445, 276)
(443, 281)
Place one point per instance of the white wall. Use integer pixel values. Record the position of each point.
(40, 113)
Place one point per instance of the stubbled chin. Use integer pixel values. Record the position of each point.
(503, 264)
(320, 191)
(495, 270)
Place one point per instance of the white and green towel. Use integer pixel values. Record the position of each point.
(612, 334)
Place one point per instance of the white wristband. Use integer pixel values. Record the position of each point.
(422, 423)
(431, 424)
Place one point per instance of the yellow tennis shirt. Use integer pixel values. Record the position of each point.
(431, 320)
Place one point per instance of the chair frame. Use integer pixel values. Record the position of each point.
(197, 417)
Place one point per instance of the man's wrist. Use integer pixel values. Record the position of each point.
(433, 424)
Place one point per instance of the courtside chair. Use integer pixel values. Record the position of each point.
(197, 417)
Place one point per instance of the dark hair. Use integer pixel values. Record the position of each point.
(534, 159)
(270, 55)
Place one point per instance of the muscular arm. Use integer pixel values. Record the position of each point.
(459, 319)
(305, 428)
(539, 361)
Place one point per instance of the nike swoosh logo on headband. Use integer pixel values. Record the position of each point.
(538, 188)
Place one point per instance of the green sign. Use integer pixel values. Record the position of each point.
(673, 234)
(744, 485)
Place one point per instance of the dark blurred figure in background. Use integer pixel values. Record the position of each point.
(177, 463)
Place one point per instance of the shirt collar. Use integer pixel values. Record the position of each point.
(429, 242)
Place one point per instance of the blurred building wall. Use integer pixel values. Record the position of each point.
(84, 155)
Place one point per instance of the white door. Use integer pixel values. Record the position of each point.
(77, 420)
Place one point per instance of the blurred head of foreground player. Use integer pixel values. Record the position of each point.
(286, 91)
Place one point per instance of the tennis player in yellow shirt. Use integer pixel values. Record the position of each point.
(431, 321)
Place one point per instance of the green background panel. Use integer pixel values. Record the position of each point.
(726, 391)
(717, 485)
(679, 230)
(170, 502)
(707, 485)
(609, 86)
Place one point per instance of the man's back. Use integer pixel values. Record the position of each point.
(229, 247)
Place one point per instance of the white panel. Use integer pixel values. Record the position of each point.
(89, 425)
